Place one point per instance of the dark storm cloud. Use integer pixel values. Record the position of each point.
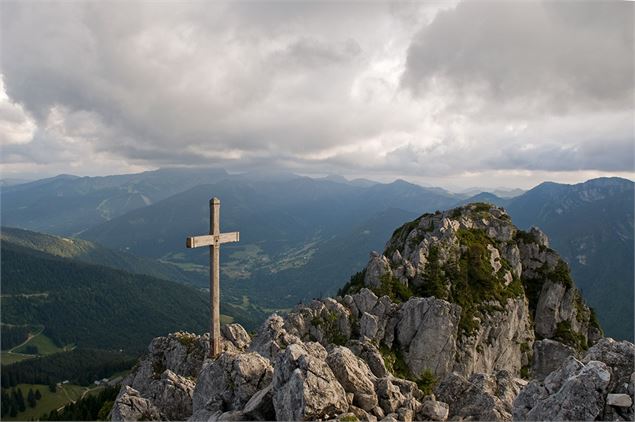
(527, 57)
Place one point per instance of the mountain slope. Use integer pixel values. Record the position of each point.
(591, 225)
(67, 205)
(92, 253)
(94, 306)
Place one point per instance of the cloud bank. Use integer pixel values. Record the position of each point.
(448, 91)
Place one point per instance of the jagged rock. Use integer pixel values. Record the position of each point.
(365, 301)
(286, 373)
(172, 395)
(548, 310)
(165, 375)
(355, 376)
(390, 397)
(368, 326)
(361, 414)
(230, 381)
(325, 321)
(619, 356)
(619, 400)
(580, 397)
(405, 414)
(377, 267)
(304, 386)
(502, 341)
(481, 397)
(237, 335)
(549, 356)
(182, 353)
(426, 333)
(130, 406)
(432, 410)
(272, 338)
(371, 355)
(260, 406)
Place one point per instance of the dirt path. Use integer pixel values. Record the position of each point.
(28, 338)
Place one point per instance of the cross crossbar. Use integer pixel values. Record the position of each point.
(214, 239)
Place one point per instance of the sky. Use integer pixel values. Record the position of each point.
(452, 94)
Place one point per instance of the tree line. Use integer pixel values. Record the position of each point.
(79, 366)
(13, 401)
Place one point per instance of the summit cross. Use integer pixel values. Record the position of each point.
(213, 240)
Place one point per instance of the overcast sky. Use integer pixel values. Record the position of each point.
(450, 94)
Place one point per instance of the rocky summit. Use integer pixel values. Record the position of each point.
(462, 317)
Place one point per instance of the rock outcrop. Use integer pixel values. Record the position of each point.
(598, 387)
(441, 325)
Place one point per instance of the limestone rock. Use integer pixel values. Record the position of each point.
(390, 397)
(237, 335)
(502, 341)
(304, 386)
(368, 326)
(260, 406)
(130, 406)
(581, 397)
(549, 356)
(371, 356)
(481, 397)
(619, 356)
(230, 381)
(365, 301)
(426, 333)
(272, 338)
(172, 395)
(377, 267)
(432, 410)
(355, 376)
(619, 400)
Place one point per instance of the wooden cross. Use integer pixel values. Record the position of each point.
(213, 240)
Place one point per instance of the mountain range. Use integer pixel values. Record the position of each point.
(302, 238)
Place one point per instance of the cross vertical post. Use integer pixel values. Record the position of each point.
(214, 278)
(213, 240)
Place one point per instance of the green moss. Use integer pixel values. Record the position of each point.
(561, 274)
(157, 369)
(186, 340)
(524, 237)
(524, 372)
(329, 327)
(433, 278)
(480, 207)
(474, 286)
(395, 363)
(580, 312)
(427, 381)
(354, 285)
(565, 334)
(524, 347)
(593, 321)
(349, 418)
(393, 288)
(399, 236)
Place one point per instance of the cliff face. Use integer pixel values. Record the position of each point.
(510, 286)
(453, 320)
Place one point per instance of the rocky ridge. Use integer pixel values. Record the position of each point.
(463, 316)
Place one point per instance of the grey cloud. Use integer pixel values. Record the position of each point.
(314, 86)
(527, 57)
